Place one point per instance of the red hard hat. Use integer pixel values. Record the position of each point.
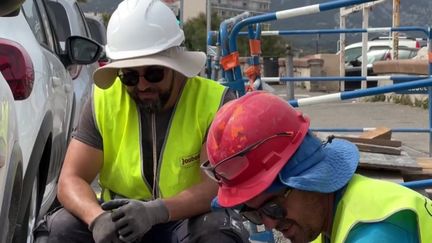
(249, 141)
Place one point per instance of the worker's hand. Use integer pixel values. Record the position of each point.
(133, 218)
(103, 229)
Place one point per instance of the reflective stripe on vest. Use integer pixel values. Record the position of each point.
(368, 200)
(117, 119)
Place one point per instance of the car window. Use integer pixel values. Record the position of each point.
(97, 30)
(81, 22)
(34, 19)
(352, 54)
(407, 53)
(61, 23)
(37, 18)
(379, 48)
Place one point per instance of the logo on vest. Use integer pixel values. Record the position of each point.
(190, 160)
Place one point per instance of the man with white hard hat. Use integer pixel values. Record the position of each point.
(143, 131)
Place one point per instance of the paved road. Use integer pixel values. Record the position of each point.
(359, 114)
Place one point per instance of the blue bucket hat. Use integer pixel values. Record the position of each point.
(319, 167)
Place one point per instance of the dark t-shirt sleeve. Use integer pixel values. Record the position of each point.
(230, 94)
(86, 130)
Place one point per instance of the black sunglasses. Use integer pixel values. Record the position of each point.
(270, 209)
(152, 74)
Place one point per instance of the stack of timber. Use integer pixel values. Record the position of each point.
(376, 141)
(378, 152)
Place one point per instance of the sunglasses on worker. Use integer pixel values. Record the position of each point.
(152, 74)
(270, 209)
(231, 167)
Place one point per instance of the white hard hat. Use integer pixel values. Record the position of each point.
(144, 33)
(141, 27)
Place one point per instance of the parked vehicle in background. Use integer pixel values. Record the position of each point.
(70, 21)
(353, 51)
(98, 33)
(353, 68)
(34, 67)
(379, 55)
(11, 171)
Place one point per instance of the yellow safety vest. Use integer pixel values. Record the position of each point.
(118, 122)
(367, 200)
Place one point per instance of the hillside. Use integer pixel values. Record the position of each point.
(418, 14)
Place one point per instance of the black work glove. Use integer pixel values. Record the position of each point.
(103, 229)
(133, 218)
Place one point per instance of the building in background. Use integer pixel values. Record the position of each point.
(224, 8)
(229, 8)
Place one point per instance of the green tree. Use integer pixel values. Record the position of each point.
(105, 18)
(196, 38)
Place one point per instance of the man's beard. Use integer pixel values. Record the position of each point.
(153, 105)
(150, 106)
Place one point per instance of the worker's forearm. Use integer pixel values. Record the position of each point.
(77, 196)
(193, 201)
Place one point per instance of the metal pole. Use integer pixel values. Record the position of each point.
(181, 13)
(396, 23)
(342, 42)
(430, 91)
(208, 15)
(365, 48)
(289, 72)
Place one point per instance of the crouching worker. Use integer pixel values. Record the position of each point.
(143, 131)
(267, 163)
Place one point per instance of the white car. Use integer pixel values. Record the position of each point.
(70, 21)
(353, 51)
(10, 162)
(43, 92)
(10, 151)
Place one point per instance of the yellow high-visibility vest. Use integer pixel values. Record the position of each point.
(118, 121)
(367, 200)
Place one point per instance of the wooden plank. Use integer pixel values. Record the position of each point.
(375, 141)
(426, 173)
(379, 132)
(425, 162)
(378, 149)
(388, 162)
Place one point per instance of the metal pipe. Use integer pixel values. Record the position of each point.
(365, 129)
(338, 31)
(430, 91)
(360, 93)
(350, 78)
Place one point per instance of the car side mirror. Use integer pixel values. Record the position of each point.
(81, 50)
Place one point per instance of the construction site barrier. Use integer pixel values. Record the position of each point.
(223, 55)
